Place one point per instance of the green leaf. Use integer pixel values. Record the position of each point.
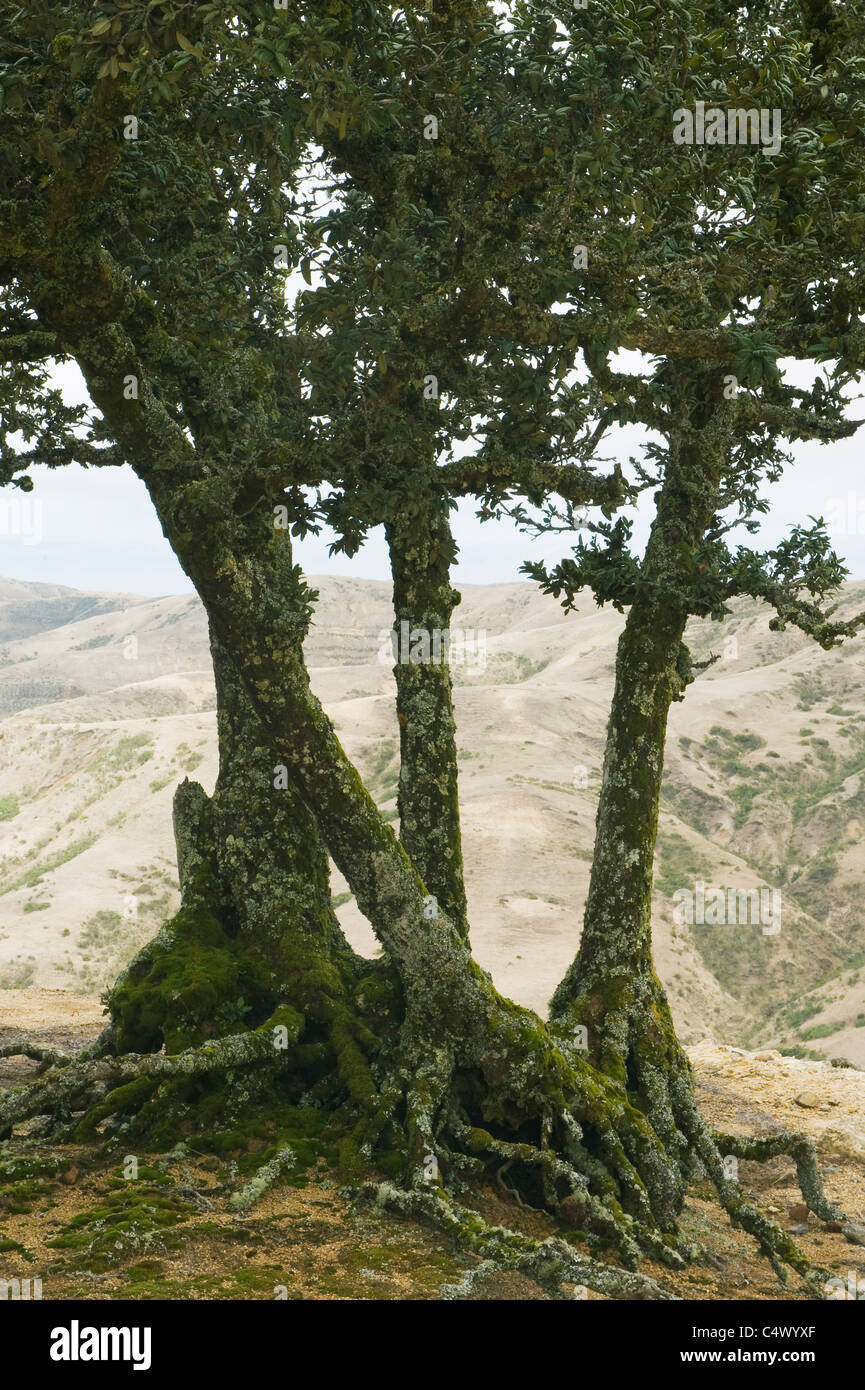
(188, 47)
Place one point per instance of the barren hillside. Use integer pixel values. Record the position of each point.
(106, 702)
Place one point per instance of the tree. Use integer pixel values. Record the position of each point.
(150, 263)
(756, 277)
(687, 570)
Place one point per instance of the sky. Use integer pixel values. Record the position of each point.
(96, 530)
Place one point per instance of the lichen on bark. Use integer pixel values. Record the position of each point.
(422, 551)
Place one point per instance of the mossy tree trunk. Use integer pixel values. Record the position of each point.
(611, 988)
(422, 551)
(255, 933)
(473, 1073)
(269, 853)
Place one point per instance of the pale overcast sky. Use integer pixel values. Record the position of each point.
(96, 529)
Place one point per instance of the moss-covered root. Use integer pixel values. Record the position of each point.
(45, 1056)
(108, 1082)
(505, 1097)
(560, 1181)
(550, 1263)
(631, 1038)
(252, 1192)
(779, 1249)
(48, 1058)
(795, 1146)
(626, 1025)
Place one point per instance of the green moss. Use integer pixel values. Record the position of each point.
(259, 1279)
(9, 1247)
(121, 1099)
(17, 1198)
(144, 1271)
(124, 1223)
(179, 989)
(19, 1166)
(391, 1162)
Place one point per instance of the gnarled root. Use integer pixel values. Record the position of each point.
(104, 1086)
(796, 1146)
(503, 1097)
(551, 1262)
(47, 1057)
(632, 1038)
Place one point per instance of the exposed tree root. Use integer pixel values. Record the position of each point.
(49, 1058)
(795, 1146)
(269, 1173)
(641, 1046)
(571, 1140)
(46, 1056)
(780, 1250)
(506, 1098)
(551, 1262)
(106, 1083)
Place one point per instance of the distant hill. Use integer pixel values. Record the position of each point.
(106, 702)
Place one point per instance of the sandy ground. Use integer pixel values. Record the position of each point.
(77, 1015)
(827, 1103)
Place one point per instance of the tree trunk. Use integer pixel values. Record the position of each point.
(615, 950)
(269, 853)
(255, 931)
(473, 1073)
(422, 551)
(611, 989)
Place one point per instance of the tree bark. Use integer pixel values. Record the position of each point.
(255, 929)
(422, 551)
(611, 988)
